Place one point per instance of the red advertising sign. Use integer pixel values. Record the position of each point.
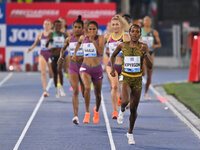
(2, 55)
(35, 13)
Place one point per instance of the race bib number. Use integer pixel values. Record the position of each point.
(58, 41)
(132, 63)
(89, 50)
(113, 46)
(148, 40)
(72, 47)
(43, 44)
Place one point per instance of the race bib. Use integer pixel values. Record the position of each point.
(89, 50)
(43, 44)
(148, 40)
(58, 41)
(132, 63)
(121, 77)
(113, 46)
(72, 46)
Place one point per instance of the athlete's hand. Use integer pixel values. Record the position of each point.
(143, 48)
(112, 73)
(28, 50)
(74, 57)
(60, 60)
(91, 37)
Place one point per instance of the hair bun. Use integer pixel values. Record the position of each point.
(79, 17)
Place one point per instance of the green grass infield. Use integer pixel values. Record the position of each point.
(187, 93)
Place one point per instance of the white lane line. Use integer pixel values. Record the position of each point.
(178, 114)
(6, 78)
(31, 118)
(112, 144)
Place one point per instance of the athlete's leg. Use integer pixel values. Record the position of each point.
(74, 80)
(54, 69)
(82, 86)
(86, 78)
(134, 101)
(125, 96)
(97, 91)
(50, 70)
(43, 65)
(149, 75)
(114, 88)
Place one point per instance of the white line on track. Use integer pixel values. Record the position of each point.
(31, 118)
(112, 144)
(178, 114)
(6, 78)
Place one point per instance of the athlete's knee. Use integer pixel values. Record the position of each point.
(75, 91)
(115, 87)
(133, 109)
(43, 73)
(87, 89)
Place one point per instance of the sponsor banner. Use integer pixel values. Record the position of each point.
(36, 13)
(2, 55)
(2, 13)
(22, 35)
(18, 57)
(2, 35)
(25, 35)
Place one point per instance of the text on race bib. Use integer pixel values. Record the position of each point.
(89, 50)
(72, 46)
(43, 44)
(132, 63)
(148, 40)
(58, 41)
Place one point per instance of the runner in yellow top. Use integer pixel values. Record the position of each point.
(134, 52)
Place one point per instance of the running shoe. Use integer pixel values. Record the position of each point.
(45, 94)
(130, 137)
(115, 114)
(120, 118)
(62, 92)
(96, 116)
(75, 120)
(119, 101)
(147, 97)
(91, 86)
(57, 92)
(67, 75)
(86, 118)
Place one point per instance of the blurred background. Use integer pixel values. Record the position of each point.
(176, 21)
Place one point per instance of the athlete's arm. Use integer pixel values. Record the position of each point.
(147, 56)
(126, 38)
(35, 43)
(106, 36)
(112, 59)
(156, 35)
(49, 39)
(78, 46)
(62, 51)
(100, 46)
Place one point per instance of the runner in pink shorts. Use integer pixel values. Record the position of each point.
(91, 70)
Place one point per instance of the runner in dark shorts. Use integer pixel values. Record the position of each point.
(134, 52)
